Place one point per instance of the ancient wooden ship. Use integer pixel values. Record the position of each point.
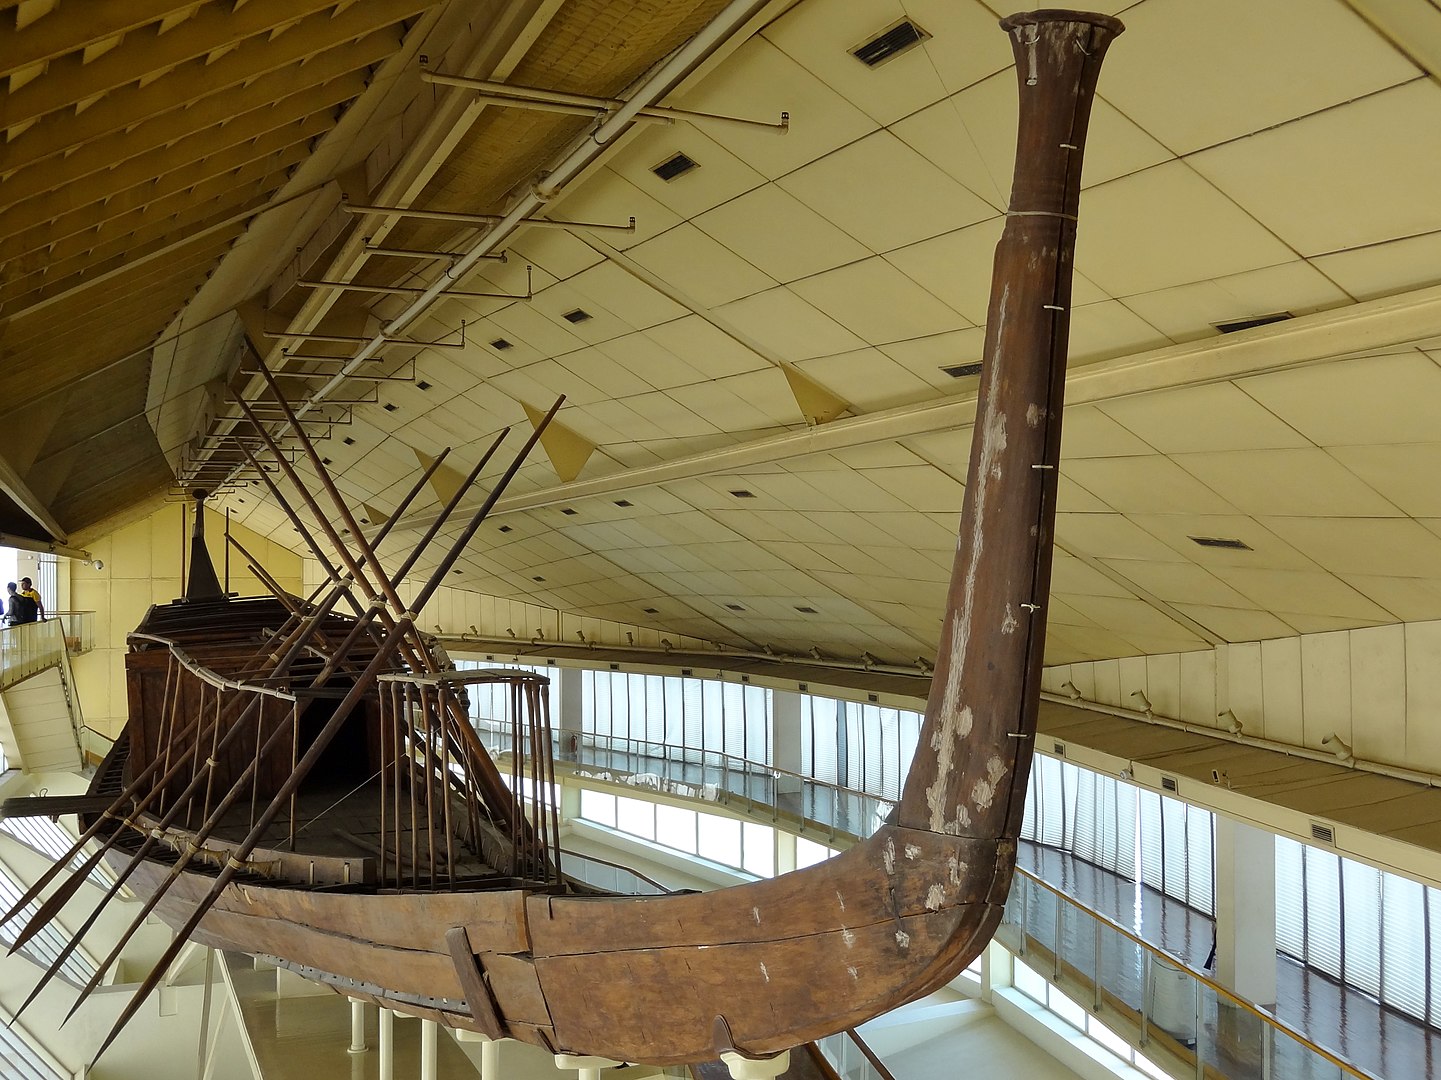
(301, 781)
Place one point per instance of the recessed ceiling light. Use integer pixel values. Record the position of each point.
(651, 611)
(568, 512)
(1221, 542)
(889, 43)
(325, 461)
(537, 578)
(348, 441)
(960, 371)
(577, 316)
(500, 344)
(674, 166)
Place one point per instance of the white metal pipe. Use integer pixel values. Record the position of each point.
(387, 1045)
(357, 1027)
(428, 1031)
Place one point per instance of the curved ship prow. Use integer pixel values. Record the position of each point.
(300, 778)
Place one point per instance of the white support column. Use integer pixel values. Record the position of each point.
(357, 1027)
(586, 1067)
(567, 701)
(786, 743)
(490, 1059)
(429, 1029)
(1246, 910)
(387, 1045)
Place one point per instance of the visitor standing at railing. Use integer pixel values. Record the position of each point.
(19, 608)
(27, 589)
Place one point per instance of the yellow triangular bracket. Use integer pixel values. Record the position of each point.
(817, 404)
(568, 452)
(445, 481)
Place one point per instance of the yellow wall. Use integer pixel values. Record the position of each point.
(142, 566)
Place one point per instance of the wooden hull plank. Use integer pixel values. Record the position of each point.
(897, 872)
(477, 994)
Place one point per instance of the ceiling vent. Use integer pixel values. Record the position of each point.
(674, 166)
(1059, 749)
(1168, 783)
(624, 502)
(390, 406)
(348, 441)
(808, 611)
(1221, 542)
(741, 493)
(961, 371)
(889, 43)
(735, 607)
(568, 511)
(1323, 833)
(1256, 320)
(422, 385)
(651, 611)
(500, 344)
(505, 528)
(579, 315)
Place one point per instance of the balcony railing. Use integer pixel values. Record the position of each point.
(1184, 1023)
(29, 648)
(78, 627)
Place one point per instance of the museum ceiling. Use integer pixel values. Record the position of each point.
(769, 378)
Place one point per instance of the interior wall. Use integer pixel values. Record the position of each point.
(1377, 689)
(453, 612)
(142, 565)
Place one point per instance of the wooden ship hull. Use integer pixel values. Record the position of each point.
(307, 787)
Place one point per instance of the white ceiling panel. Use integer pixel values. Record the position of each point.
(707, 347)
(718, 177)
(868, 379)
(788, 327)
(1386, 399)
(1109, 328)
(1178, 583)
(703, 269)
(1308, 592)
(624, 295)
(924, 357)
(1229, 420)
(1236, 624)
(1406, 474)
(760, 82)
(1189, 100)
(1109, 536)
(885, 194)
(1378, 189)
(1189, 312)
(877, 302)
(1363, 545)
(955, 266)
(776, 232)
(820, 39)
(972, 136)
(1383, 269)
(608, 199)
(650, 361)
(1146, 485)
(1192, 232)
(559, 253)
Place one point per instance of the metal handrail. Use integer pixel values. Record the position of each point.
(1221, 991)
(1265, 1017)
(617, 866)
(864, 1047)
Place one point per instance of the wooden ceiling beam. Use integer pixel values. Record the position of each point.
(74, 325)
(112, 141)
(51, 38)
(151, 148)
(130, 104)
(130, 186)
(91, 226)
(147, 50)
(126, 247)
(54, 321)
